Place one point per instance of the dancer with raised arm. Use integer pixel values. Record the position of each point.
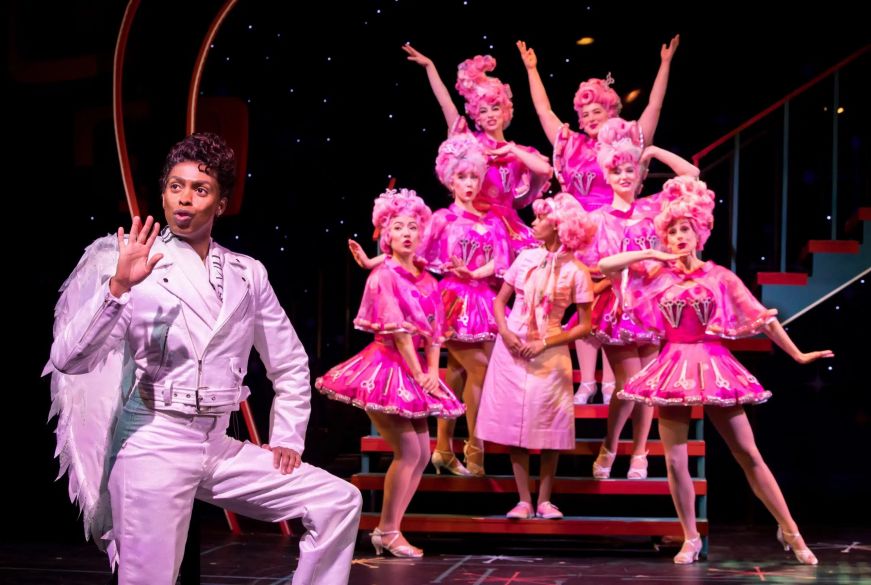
(694, 306)
(469, 248)
(516, 175)
(152, 339)
(578, 171)
(626, 224)
(396, 387)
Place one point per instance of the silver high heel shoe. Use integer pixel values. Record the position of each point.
(585, 392)
(638, 467)
(689, 552)
(603, 470)
(607, 390)
(404, 551)
(448, 461)
(787, 540)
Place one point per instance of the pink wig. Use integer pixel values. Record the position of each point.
(459, 153)
(573, 226)
(619, 142)
(393, 203)
(477, 88)
(688, 198)
(598, 91)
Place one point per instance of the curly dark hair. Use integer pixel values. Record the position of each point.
(213, 155)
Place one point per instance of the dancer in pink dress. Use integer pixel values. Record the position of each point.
(527, 401)
(516, 175)
(396, 387)
(626, 224)
(694, 305)
(576, 167)
(469, 248)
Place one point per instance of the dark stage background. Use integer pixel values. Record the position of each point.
(334, 111)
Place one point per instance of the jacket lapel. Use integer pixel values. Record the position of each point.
(237, 283)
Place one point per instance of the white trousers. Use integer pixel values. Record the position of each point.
(164, 460)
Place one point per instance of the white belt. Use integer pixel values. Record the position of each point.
(202, 397)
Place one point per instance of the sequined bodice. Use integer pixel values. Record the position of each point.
(687, 311)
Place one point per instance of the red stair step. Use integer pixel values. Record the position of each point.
(375, 444)
(830, 247)
(862, 214)
(782, 278)
(571, 525)
(601, 411)
(504, 484)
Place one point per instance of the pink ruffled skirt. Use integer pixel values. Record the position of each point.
(468, 310)
(695, 373)
(377, 379)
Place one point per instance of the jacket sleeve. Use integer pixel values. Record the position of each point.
(93, 330)
(286, 367)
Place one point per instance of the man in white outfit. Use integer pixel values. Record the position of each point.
(187, 312)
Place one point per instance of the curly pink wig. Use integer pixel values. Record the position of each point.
(393, 203)
(459, 153)
(687, 198)
(619, 142)
(477, 88)
(598, 91)
(573, 226)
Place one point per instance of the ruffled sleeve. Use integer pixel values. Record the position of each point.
(737, 313)
(434, 253)
(393, 304)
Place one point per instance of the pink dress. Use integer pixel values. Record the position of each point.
(507, 187)
(475, 240)
(574, 162)
(694, 312)
(528, 403)
(377, 378)
(621, 231)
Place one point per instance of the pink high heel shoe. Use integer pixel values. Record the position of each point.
(689, 552)
(403, 551)
(448, 461)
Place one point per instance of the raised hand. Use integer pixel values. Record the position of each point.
(416, 56)
(360, 257)
(134, 265)
(528, 55)
(667, 52)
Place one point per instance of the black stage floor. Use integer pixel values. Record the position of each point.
(736, 556)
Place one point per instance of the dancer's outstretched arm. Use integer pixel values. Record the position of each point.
(550, 123)
(650, 116)
(439, 90)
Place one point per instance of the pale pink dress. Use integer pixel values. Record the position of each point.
(694, 312)
(378, 379)
(528, 403)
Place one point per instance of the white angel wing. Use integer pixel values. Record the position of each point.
(87, 404)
